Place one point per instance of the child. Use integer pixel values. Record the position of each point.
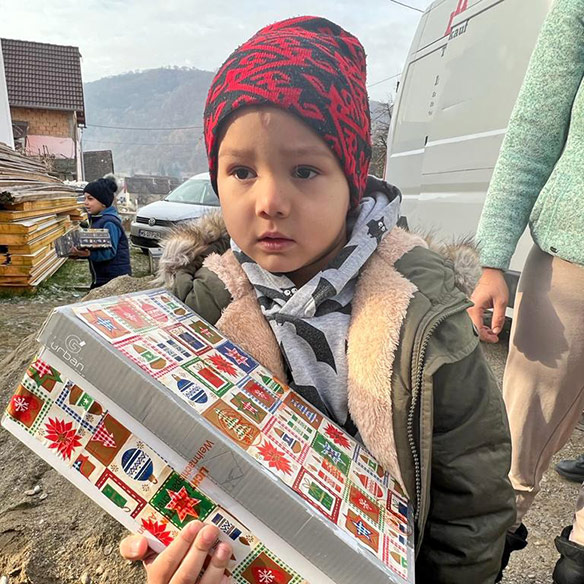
(321, 287)
(105, 264)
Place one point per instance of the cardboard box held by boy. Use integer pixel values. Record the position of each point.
(161, 420)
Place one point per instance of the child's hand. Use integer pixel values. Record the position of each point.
(183, 560)
(79, 253)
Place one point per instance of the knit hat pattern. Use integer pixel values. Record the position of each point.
(311, 68)
(102, 189)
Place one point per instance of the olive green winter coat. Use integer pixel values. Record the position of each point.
(420, 392)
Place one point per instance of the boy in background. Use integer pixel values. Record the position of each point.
(105, 264)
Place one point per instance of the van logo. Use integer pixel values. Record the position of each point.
(151, 221)
(460, 8)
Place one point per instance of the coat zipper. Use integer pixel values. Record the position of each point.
(418, 366)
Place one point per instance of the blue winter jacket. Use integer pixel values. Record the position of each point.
(107, 264)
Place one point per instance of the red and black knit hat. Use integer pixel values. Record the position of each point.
(310, 67)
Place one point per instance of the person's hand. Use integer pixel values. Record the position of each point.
(491, 292)
(184, 559)
(79, 253)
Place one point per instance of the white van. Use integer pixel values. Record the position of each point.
(460, 82)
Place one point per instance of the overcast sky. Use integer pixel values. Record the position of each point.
(116, 36)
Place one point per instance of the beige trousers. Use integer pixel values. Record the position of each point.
(543, 386)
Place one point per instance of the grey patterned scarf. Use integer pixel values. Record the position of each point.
(311, 323)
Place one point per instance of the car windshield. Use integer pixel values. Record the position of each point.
(195, 192)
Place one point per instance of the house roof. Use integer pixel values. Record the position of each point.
(43, 76)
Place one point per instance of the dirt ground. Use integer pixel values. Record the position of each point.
(552, 510)
(50, 532)
(58, 536)
(23, 315)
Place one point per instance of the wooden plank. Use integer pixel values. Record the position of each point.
(24, 180)
(9, 290)
(49, 272)
(24, 238)
(13, 178)
(34, 277)
(48, 261)
(10, 156)
(27, 225)
(78, 217)
(15, 195)
(12, 193)
(34, 246)
(19, 259)
(6, 216)
(7, 281)
(15, 270)
(41, 204)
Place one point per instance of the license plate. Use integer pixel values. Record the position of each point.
(149, 234)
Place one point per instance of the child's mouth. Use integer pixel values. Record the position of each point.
(275, 242)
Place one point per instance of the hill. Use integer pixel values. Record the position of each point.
(156, 98)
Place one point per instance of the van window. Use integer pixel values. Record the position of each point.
(195, 192)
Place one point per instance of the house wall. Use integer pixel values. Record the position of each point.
(43, 122)
(5, 122)
(56, 133)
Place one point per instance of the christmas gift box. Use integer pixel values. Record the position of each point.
(161, 420)
(82, 239)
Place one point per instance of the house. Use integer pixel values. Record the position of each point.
(45, 94)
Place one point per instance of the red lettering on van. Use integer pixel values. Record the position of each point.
(460, 8)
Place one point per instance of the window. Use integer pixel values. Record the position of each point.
(194, 192)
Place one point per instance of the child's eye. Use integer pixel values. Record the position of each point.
(242, 173)
(305, 172)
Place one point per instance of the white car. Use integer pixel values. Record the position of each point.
(190, 200)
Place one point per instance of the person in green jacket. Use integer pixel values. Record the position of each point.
(539, 179)
(319, 285)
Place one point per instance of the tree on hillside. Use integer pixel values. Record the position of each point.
(379, 130)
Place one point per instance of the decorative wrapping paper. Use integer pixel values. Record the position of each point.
(82, 239)
(67, 419)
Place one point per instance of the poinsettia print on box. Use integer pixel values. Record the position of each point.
(263, 567)
(62, 434)
(157, 525)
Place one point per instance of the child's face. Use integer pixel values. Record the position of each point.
(92, 205)
(283, 193)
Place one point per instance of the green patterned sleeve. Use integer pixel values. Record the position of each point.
(536, 134)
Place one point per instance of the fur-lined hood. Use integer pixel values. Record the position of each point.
(193, 239)
(187, 242)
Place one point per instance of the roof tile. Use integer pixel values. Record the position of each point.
(41, 75)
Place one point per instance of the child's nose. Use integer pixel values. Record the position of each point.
(272, 199)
